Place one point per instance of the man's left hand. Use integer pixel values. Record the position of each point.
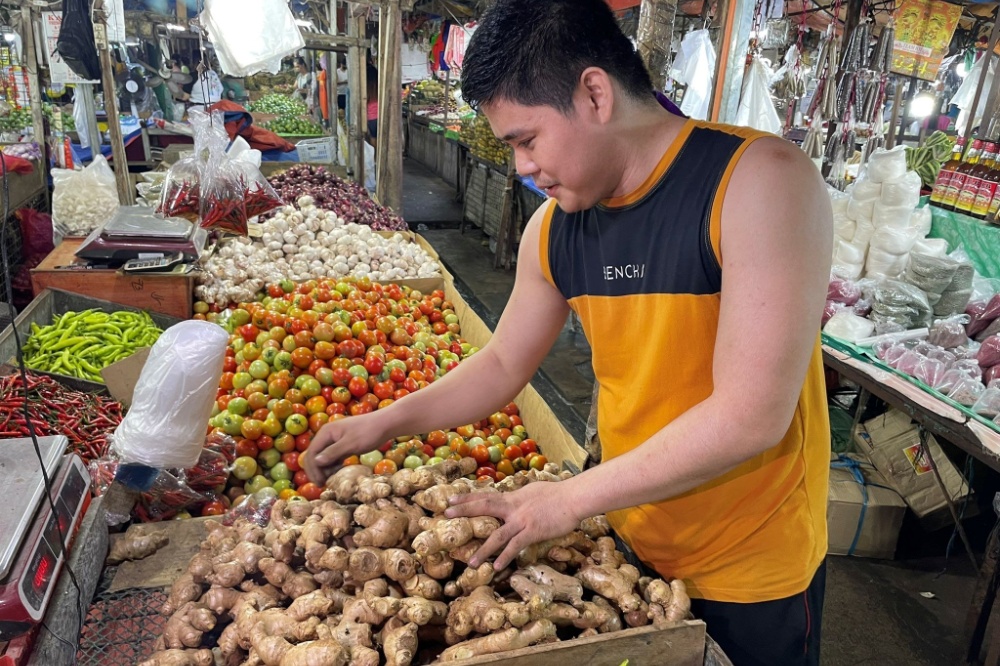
(533, 513)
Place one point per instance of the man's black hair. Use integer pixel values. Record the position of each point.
(533, 52)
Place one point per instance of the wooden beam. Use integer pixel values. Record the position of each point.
(988, 55)
(357, 99)
(126, 196)
(31, 73)
(389, 156)
(318, 42)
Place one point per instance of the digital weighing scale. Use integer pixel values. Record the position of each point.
(31, 552)
(137, 230)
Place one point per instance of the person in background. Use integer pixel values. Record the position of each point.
(341, 83)
(305, 84)
(207, 89)
(372, 83)
(324, 103)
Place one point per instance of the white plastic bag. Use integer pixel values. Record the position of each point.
(893, 240)
(966, 93)
(848, 326)
(903, 191)
(756, 108)
(863, 232)
(84, 200)
(864, 189)
(931, 247)
(892, 216)
(165, 427)
(844, 227)
(882, 264)
(920, 220)
(885, 165)
(838, 201)
(694, 66)
(861, 210)
(251, 35)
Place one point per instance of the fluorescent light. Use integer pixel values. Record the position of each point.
(922, 105)
(131, 42)
(9, 37)
(175, 27)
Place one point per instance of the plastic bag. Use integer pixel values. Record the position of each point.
(988, 403)
(254, 508)
(756, 107)
(865, 189)
(861, 211)
(991, 375)
(167, 497)
(831, 308)
(848, 326)
(222, 204)
(884, 264)
(84, 200)
(181, 193)
(253, 35)
(903, 192)
(991, 330)
(165, 426)
(966, 93)
(694, 67)
(982, 313)
(843, 227)
(901, 302)
(949, 333)
(930, 371)
(843, 291)
(849, 253)
(838, 201)
(967, 391)
(211, 470)
(76, 45)
(989, 352)
(908, 362)
(887, 165)
(931, 274)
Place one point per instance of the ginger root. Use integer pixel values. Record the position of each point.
(508, 639)
(135, 545)
(186, 627)
(183, 590)
(449, 534)
(471, 578)
(481, 612)
(422, 585)
(385, 525)
(616, 584)
(179, 657)
(438, 565)
(399, 642)
(345, 482)
(421, 611)
(368, 563)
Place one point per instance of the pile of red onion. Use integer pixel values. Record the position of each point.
(348, 199)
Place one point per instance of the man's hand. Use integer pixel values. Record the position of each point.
(533, 513)
(338, 440)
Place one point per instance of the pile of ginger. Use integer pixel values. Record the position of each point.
(373, 573)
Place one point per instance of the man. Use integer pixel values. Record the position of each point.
(697, 258)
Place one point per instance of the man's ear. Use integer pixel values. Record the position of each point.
(598, 93)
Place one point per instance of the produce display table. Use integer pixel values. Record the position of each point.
(164, 293)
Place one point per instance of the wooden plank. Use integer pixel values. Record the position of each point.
(356, 113)
(341, 43)
(389, 155)
(680, 645)
(167, 294)
(31, 70)
(166, 565)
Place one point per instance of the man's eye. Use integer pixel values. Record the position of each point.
(526, 143)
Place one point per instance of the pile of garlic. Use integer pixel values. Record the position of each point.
(303, 242)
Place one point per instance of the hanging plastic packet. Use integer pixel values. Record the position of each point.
(181, 193)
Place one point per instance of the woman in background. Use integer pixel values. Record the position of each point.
(305, 84)
(372, 81)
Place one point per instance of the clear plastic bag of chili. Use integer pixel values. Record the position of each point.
(222, 203)
(181, 194)
(259, 197)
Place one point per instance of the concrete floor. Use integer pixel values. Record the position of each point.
(874, 612)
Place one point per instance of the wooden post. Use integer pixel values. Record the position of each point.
(389, 155)
(126, 195)
(508, 228)
(182, 12)
(357, 97)
(31, 70)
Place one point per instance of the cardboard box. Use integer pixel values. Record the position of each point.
(892, 444)
(864, 515)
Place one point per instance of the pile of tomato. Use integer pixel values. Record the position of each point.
(311, 353)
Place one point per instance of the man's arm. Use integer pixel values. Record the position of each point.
(776, 254)
(533, 318)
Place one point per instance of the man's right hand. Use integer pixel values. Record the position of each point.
(338, 440)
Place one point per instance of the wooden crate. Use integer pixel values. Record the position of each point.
(682, 644)
(166, 294)
(41, 310)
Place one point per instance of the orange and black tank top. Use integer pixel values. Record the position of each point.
(644, 274)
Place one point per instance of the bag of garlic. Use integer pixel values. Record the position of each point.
(84, 200)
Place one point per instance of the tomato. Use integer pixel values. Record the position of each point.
(374, 364)
(252, 429)
(257, 401)
(315, 405)
(316, 366)
(511, 409)
(302, 441)
(341, 376)
(528, 446)
(226, 381)
(512, 452)
(342, 395)
(351, 460)
(487, 472)
(244, 467)
(213, 508)
(538, 462)
(384, 390)
(480, 453)
(397, 455)
(246, 447)
(361, 408)
(436, 438)
(287, 493)
(385, 403)
(503, 433)
(505, 466)
(248, 332)
(399, 394)
(410, 385)
(282, 409)
(358, 387)
(264, 443)
(291, 460)
(295, 397)
(385, 467)
(284, 442)
(229, 365)
(466, 430)
(459, 446)
(274, 291)
(302, 357)
(317, 421)
(299, 479)
(310, 491)
(499, 420)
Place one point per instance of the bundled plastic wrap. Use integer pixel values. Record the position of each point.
(887, 165)
(848, 326)
(949, 333)
(865, 189)
(884, 215)
(920, 219)
(931, 247)
(894, 240)
(843, 226)
(165, 427)
(838, 201)
(903, 192)
(882, 264)
(863, 232)
(861, 210)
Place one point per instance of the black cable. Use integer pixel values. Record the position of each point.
(9, 278)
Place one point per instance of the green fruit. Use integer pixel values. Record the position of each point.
(371, 458)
